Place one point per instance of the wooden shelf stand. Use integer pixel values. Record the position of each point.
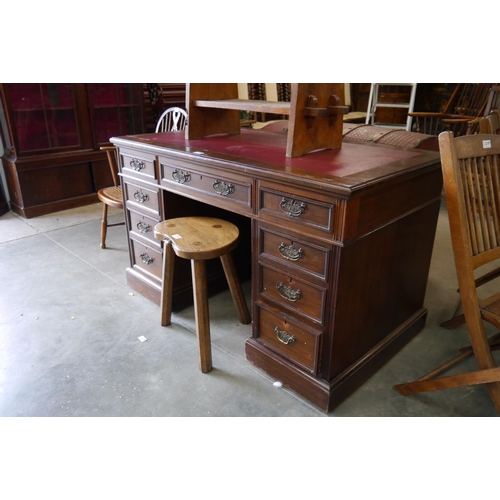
(315, 113)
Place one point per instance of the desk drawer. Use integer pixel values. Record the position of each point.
(144, 199)
(294, 253)
(288, 338)
(296, 209)
(292, 293)
(139, 165)
(146, 258)
(230, 192)
(143, 226)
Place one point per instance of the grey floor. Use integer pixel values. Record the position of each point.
(70, 328)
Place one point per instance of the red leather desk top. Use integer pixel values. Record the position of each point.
(351, 165)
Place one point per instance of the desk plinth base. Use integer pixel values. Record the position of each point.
(150, 288)
(328, 395)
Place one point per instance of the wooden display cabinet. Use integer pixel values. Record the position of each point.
(52, 133)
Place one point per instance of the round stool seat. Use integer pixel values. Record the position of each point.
(198, 238)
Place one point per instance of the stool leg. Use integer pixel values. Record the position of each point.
(235, 288)
(104, 225)
(167, 283)
(201, 314)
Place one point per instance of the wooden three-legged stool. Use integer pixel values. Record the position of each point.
(199, 239)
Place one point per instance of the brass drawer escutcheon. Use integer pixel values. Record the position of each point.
(144, 227)
(137, 165)
(180, 176)
(292, 208)
(284, 336)
(146, 258)
(223, 188)
(141, 197)
(288, 293)
(290, 252)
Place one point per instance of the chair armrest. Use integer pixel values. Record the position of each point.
(458, 119)
(425, 114)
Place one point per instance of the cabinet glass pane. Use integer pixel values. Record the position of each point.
(117, 110)
(5, 135)
(44, 115)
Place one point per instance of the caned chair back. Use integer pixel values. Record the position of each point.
(172, 120)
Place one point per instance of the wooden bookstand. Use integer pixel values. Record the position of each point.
(315, 113)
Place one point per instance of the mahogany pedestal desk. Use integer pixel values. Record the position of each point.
(341, 243)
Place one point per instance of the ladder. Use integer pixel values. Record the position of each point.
(374, 104)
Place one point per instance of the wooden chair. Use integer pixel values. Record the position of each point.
(199, 239)
(487, 125)
(466, 105)
(471, 172)
(490, 124)
(172, 120)
(110, 196)
(494, 99)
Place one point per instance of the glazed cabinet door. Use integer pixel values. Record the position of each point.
(116, 110)
(52, 133)
(45, 117)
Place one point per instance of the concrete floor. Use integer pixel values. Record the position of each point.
(69, 344)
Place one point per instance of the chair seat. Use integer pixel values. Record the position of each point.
(198, 238)
(111, 196)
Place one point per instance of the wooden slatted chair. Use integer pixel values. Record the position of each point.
(487, 125)
(172, 120)
(490, 124)
(471, 172)
(467, 103)
(110, 196)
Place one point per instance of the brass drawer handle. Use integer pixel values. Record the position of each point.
(146, 259)
(180, 176)
(137, 165)
(290, 253)
(144, 227)
(223, 188)
(288, 293)
(284, 336)
(140, 196)
(292, 208)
